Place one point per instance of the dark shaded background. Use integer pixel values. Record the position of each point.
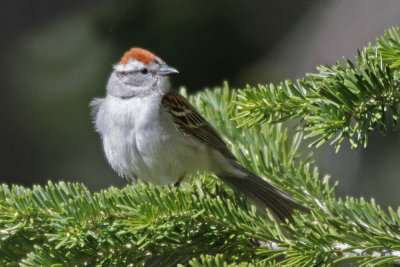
(57, 55)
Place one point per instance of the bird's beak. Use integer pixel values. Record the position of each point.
(166, 70)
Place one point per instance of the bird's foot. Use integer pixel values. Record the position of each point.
(178, 183)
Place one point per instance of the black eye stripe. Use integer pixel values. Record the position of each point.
(126, 72)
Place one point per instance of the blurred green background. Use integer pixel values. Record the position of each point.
(57, 55)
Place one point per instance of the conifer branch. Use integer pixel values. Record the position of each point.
(344, 101)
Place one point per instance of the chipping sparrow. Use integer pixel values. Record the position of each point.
(152, 132)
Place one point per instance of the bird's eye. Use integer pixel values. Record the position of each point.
(144, 71)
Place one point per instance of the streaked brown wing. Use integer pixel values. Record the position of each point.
(192, 123)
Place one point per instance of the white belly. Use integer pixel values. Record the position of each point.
(139, 141)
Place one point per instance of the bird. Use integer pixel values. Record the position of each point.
(152, 132)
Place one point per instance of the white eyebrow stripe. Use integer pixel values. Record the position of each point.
(131, 65)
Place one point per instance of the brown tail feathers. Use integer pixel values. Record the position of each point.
(264, 195)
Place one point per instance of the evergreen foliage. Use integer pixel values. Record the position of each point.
(204, 223)
(344, 101)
